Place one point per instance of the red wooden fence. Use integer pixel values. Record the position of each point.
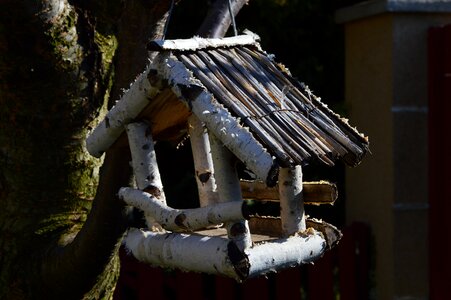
(342, 273)
(439, 161)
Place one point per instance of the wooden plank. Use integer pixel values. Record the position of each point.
(167, 116)
(315, 193)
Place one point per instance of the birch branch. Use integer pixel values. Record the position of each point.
(203, 162)
(218, 19)
(125, 110)
(185, 219)
(291, 203)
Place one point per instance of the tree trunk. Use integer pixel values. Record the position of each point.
(58, 63)
(61, 62)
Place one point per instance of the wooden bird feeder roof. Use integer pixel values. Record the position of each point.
(245, 87)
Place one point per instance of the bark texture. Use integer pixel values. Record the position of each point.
(58, 62)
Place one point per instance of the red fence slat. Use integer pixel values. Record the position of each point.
(288, 284)
(321, 278)
(189, 285)
(256, 288)
(225, 288)
(439, 90)
(354, 262)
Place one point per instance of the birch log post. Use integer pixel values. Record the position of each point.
(185, 219)
(203, 162)
(291, 204)
(229, 189)
(145, 167)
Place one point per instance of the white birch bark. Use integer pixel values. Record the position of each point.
(198, 43)
(144, 160)
(291, 202)
(188, 252)
(285, 253)
(183, 219)
(229, 189)
(203, 162)
(126, 109)
(218, 120)
(212, 254)
(145, 166)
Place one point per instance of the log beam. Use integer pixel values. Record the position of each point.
(198, 43)
(315, 193)
(185, 219)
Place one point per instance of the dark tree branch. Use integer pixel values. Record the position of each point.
(217, 21)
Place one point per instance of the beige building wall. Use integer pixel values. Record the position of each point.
(386, 92)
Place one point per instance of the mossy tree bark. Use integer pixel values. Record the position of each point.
(62, 63)
(60, 225)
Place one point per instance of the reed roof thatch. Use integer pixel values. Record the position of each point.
(282, 113)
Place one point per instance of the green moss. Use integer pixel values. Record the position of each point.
(107, 44)
(64, 41)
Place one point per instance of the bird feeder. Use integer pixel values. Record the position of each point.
(235, 102)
